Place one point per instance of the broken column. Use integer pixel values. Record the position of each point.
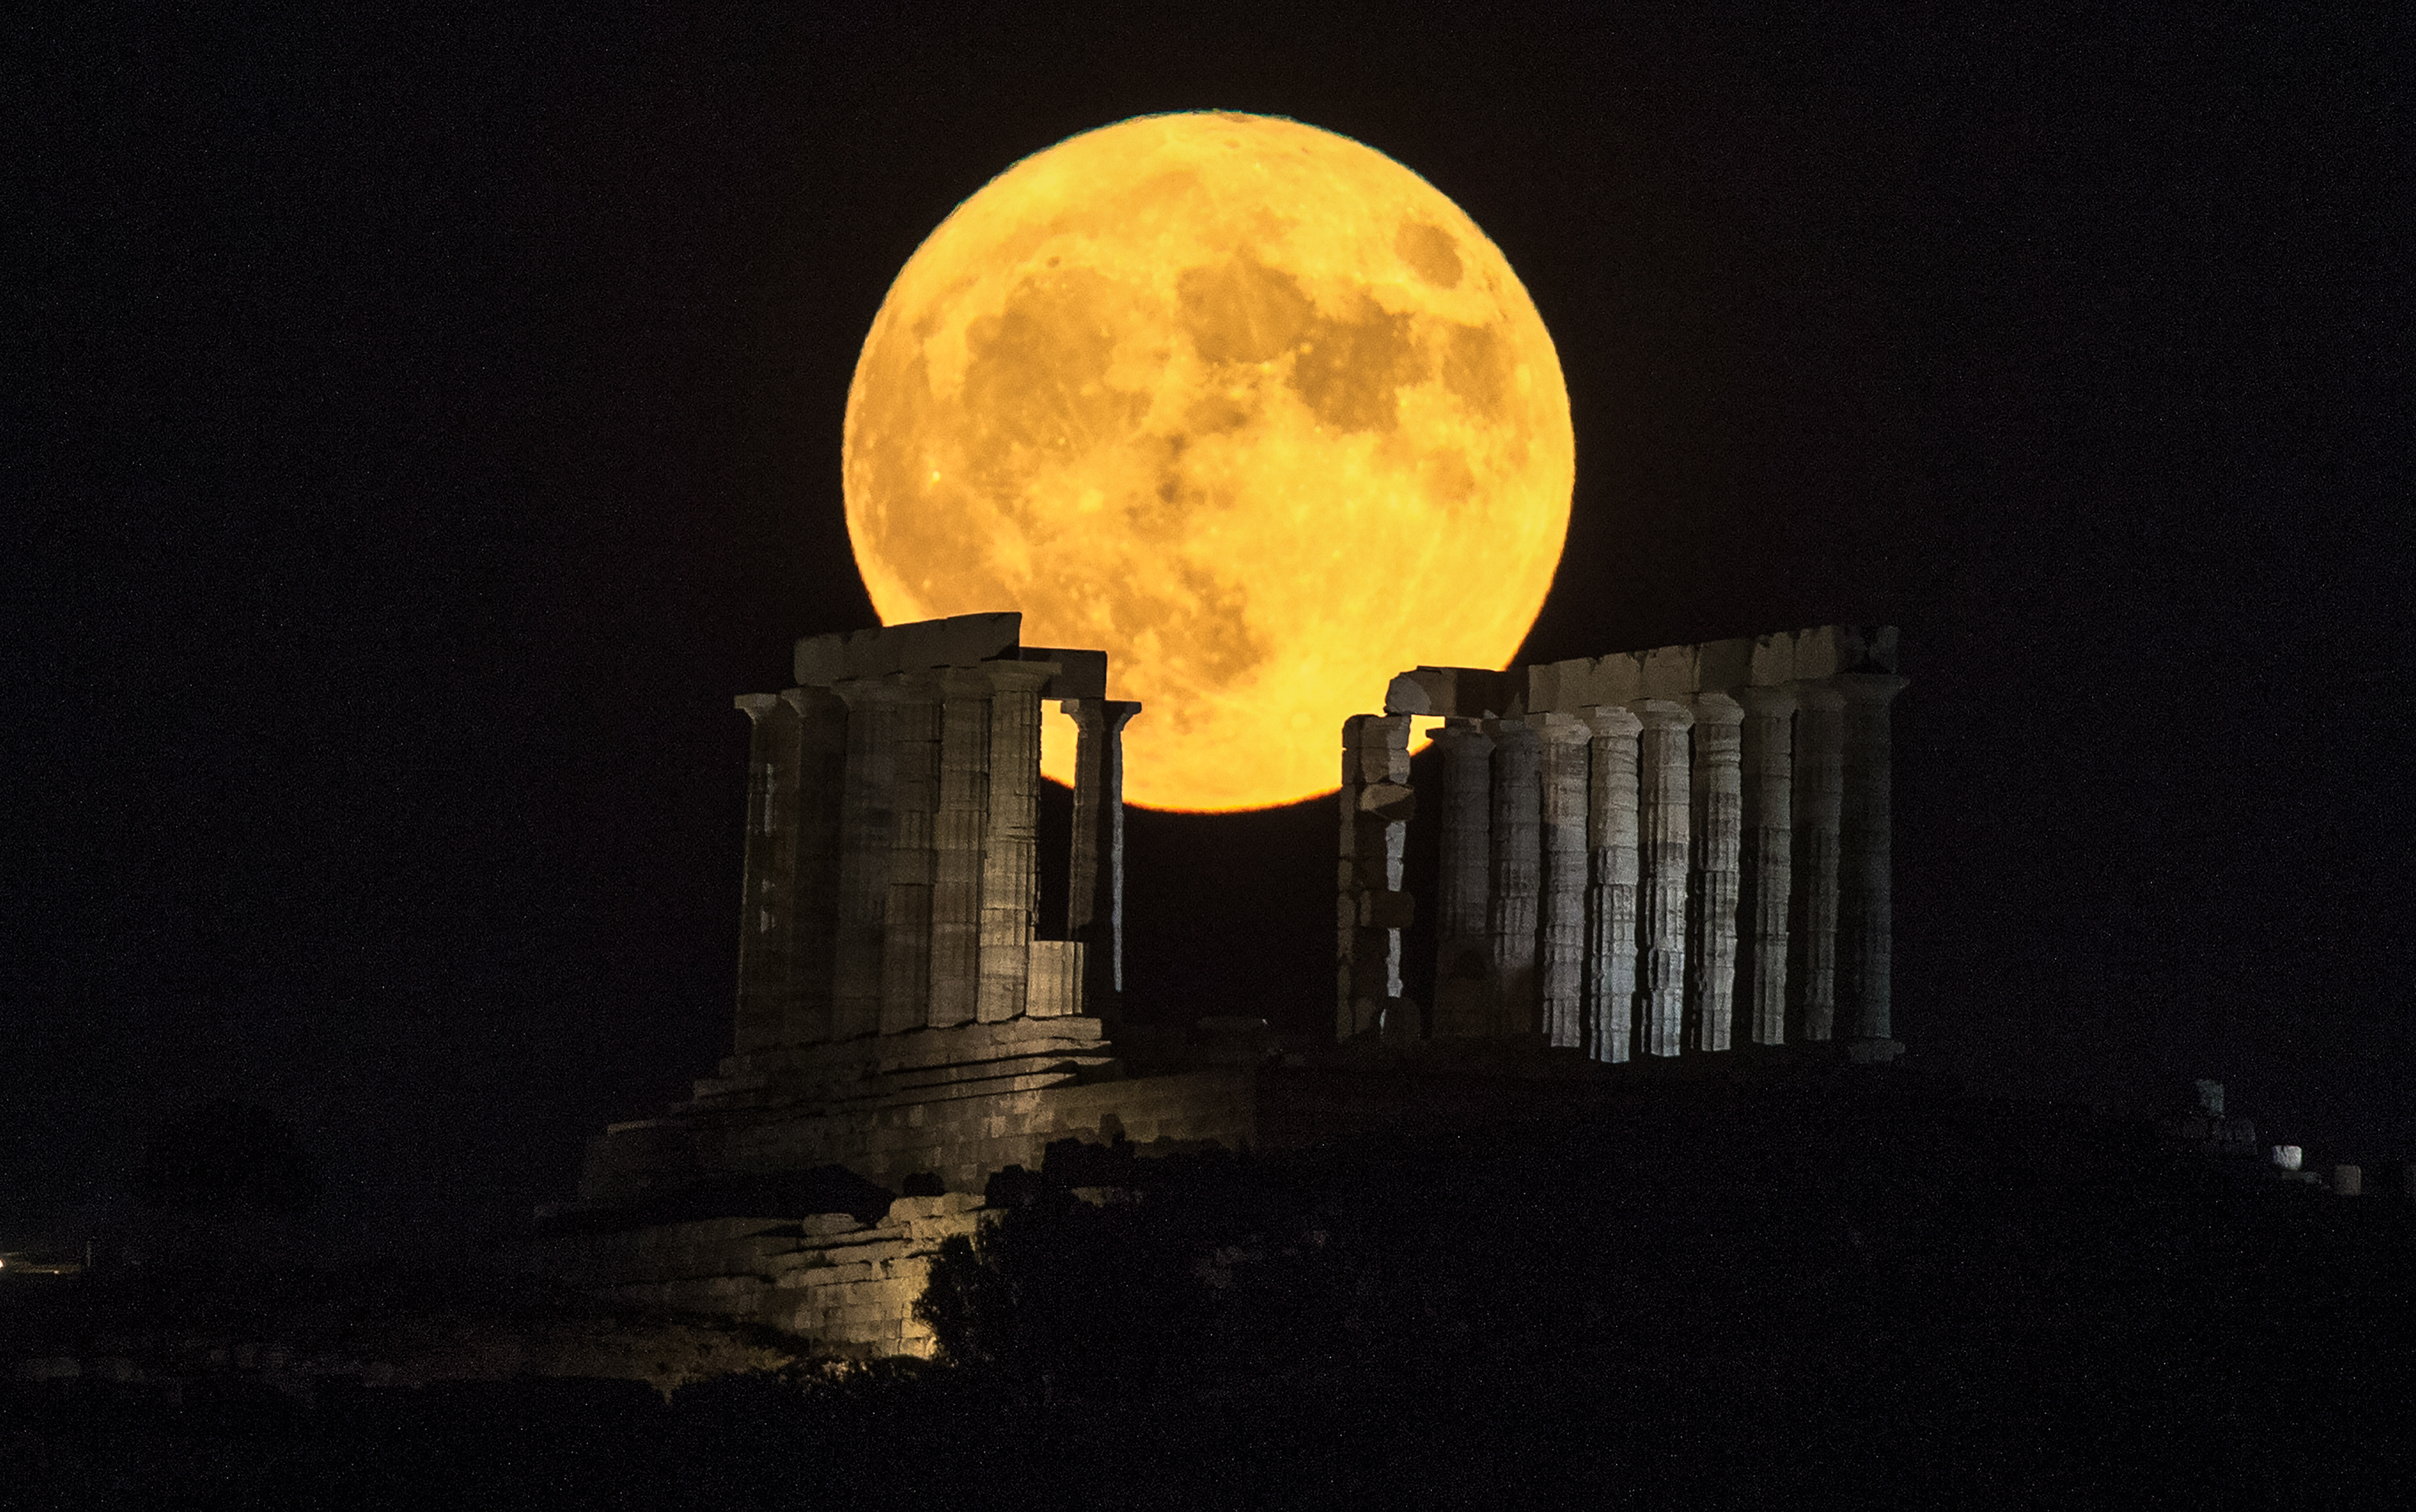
(1664, 824)
(1463, 921)
(1819, 808)
(767, 916)
(1561, 964)
(814, 896)
(906, 923)
(957, 836)
(864, 828)
(1865, 907)
(1610, 903)
(1764, 865)
(1517, 865)
(1371, 910)
(1095, 896)
(1010, 893)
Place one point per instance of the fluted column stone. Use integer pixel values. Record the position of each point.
(1463, 921)
(866, 822)
(906, 928)
(1562, 936)
(1764, 867)
(1095, 908)
(1664, 825)
(768, 918)
(1517, 860)
(1711, 873)
(1011, 845)
(814, 895)
(1610, 899)
(957, 834)
(1865, 906)
(1819, 811)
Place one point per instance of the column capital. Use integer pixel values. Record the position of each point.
(1610, 719)
(1818, 694)
(1662, 713)
(1717, 708)
(1763, 702)
(1566, 729)
(1108, 715)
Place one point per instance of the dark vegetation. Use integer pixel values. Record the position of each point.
(1832, 1299)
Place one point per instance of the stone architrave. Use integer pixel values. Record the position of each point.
(1819, 811)
(1716, 810)
(1517, 858)
(866, 823)
(768, 918)
(1463, 921)
(1011, 847)
(1765, 865)
(1562, 936)
(1371, 908)
(1611, 900)
(1664, 825)
(821, 778)
(1094, 907)
(957, 836)
(1865, 907)
(906, 936)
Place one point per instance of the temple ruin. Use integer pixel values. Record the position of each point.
(1642, 854)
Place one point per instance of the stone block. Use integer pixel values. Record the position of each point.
(1773, 660)
(2348, 1180)
(2287, 1157)
(1081, 673)
(1670, 672)
(1391, 802)
(1054, 987)
(1376, 764)
(1723, 663)
(1464, 692)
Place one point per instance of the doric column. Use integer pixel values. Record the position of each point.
(868, 796)
(1561, 963)
(906, 928)
(1864, 923)
(1517, 857)
(821, 778)
(1664, 825)
(1371, 910)
(1011, 846)
(768, 916)
(1463, 917)
(957, 836)
(1095, 911)
(1764, 869)
(1711, 873)
(1812, 909)
(1610, 903)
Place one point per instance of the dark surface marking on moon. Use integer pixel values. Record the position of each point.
(1241, 310)
(1430, 251)
(1476, 368)
(1351, 371)
(1039, 370)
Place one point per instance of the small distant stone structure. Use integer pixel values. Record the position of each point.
(1643, 854)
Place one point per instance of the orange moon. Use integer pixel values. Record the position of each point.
(1247, 404)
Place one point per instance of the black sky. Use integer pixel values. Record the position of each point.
(422, 427)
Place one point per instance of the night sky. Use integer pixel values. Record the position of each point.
(422, 428)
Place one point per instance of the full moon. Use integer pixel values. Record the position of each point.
(1247, 404)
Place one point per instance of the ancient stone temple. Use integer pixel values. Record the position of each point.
(900, 1012)
(1645, 854)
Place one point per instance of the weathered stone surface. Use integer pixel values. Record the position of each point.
(1096, 899)
(866, 823)
(1765, 864)
(906, 926)
(1011, 846)
(1517, 875)
(1560, 951)
(1818, 802)
(1665, 824)
(960, 832)
(1711, 881)
(1611, 901)
(814, 894)
(767, 917)
(960, 640)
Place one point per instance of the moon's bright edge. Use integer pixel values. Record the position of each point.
(1247, 404)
